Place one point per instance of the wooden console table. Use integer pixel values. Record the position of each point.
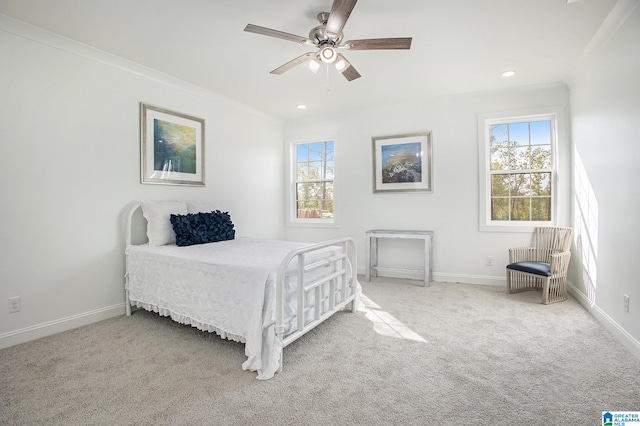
(371, 252)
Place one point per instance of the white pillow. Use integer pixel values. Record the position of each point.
(159, 228)
(200, 207)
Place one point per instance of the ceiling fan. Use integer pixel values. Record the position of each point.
(327, 37)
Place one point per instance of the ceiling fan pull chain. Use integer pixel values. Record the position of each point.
(328, 82)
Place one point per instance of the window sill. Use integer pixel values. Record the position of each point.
(513, 227)
(312, 224)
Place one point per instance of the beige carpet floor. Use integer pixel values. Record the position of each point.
(448, 354)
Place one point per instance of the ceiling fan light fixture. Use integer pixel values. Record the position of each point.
(313, 64)
(328, 54)
(341, 63)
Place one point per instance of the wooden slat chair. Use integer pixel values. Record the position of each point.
(543, 267)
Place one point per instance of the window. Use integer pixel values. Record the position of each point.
(518, 171)
(313, 184)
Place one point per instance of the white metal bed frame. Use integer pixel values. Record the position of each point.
(341, 278)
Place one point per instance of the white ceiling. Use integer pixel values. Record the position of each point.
(458, 45)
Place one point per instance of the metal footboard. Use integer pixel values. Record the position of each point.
(332, 290)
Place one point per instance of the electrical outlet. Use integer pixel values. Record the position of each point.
(626, 303)
(14, 304)
(489, 261)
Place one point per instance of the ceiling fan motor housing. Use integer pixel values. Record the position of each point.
(324, 41)
(319, 36)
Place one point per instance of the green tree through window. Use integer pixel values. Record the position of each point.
(314, 180)
(521, 171)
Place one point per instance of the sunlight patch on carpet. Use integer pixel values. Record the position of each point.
(386, 324)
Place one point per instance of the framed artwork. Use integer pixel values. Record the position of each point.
(171, 147)
(402, 163)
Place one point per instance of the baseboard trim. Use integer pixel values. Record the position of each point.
(445, 277)
(627, 340)
(469, 279)
(37, 331)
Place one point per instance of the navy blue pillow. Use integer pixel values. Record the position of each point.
(201, 228)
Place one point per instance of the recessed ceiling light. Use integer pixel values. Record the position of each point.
(509, 73)
(301, 106)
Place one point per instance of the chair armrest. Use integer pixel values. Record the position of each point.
(560, 263)
(522, 254)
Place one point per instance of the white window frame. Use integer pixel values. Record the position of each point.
(556, 116)
(293, 220)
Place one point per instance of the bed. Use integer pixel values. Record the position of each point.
(262, 293)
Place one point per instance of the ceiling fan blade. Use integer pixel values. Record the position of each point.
(378, 44)
(250, 28)
(293, 63)
(340, 11)
(344, 67)
(351, 73)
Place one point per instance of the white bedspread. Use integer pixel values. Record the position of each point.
(226, 287)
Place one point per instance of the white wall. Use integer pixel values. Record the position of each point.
(605, 104)
(451, 211)
(69, 139)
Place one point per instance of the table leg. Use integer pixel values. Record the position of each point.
(374, 256)
(427, 261)
(367, 259)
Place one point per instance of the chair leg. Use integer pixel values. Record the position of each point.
(545, 291)
(518, 281)
(553, 289)
(557, 291)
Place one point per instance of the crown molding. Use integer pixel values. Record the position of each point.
(52, 40)
(610, 26)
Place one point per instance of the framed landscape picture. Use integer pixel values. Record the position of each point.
(402, 163)
(172, 147)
